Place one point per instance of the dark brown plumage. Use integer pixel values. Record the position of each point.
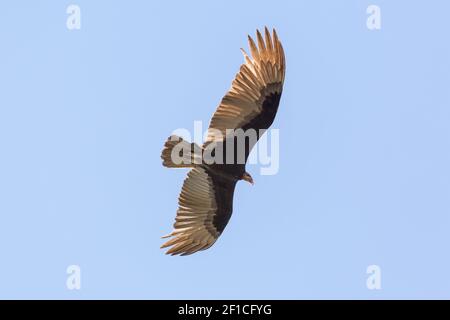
(206, 198)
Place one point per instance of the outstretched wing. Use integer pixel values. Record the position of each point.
(205, 206)
(252, 102)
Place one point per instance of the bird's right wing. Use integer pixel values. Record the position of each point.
(253, 98)
(205, 206)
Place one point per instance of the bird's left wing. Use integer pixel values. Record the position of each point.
(205, 206)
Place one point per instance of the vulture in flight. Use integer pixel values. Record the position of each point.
(205, 203)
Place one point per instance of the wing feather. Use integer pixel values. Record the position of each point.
(195, 228)
(261, 75)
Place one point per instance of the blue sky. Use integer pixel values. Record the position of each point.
(364, 173)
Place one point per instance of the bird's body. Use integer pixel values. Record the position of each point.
(250, 106)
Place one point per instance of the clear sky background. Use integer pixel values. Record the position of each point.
(364, 173)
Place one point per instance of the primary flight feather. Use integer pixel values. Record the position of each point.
(206, 198)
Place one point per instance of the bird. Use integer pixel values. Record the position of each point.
(205, 203)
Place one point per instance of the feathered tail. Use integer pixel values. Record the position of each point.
(178, 153)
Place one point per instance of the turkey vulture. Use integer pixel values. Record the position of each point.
(206, 199)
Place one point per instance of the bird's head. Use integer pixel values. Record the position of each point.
(247, 177)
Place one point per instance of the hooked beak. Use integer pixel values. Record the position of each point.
(247, 177)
